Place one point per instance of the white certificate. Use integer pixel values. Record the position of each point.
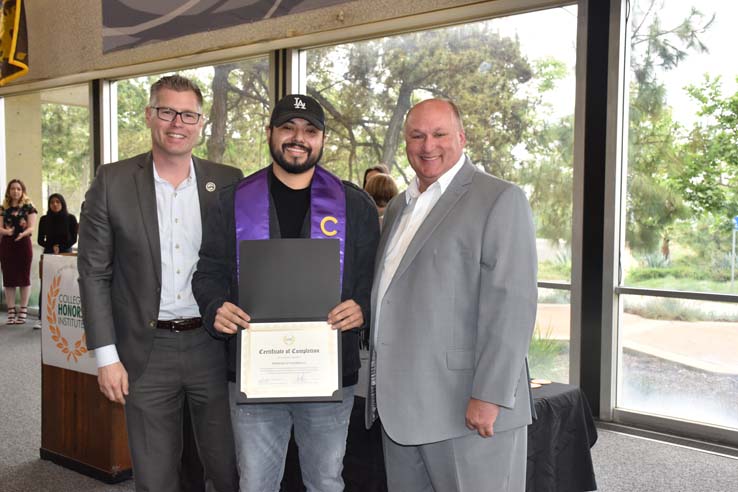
(290, 360)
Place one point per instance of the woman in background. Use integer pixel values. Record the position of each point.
(16, 252)
(373, 171)
(57, 230)
(382, 188)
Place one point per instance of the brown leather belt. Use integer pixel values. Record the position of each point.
(177, 325)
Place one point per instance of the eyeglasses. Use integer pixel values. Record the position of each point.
(168, 114)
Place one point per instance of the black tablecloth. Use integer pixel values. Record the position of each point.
(559, 442)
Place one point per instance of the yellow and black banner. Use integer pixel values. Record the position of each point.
(13, 41)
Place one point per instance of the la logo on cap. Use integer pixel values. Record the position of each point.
(299, 104)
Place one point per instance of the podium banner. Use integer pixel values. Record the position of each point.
(63, 337)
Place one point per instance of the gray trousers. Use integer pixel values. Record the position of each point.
(465, 464)
(186, 368)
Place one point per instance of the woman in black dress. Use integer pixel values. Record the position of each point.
(57, 230)
(16, 252)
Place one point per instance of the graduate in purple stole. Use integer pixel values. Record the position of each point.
(294, 197)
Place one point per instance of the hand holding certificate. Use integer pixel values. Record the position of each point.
(229, 318)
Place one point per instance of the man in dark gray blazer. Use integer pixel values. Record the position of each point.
(453, 310)
(140, 234)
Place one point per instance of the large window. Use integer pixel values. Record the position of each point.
(65, 145)
(679, 359)
(236, 110)
(515, 90)
(47, 146)
(676, 345)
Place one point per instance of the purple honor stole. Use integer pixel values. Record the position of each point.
(327, 210)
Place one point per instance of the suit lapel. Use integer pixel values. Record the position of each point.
(205, 187)
(391, 219)
(144, 178)
(456, 189)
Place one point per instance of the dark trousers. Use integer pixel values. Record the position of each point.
(191, 474)
(184, 368)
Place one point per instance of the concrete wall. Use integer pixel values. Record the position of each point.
(23, 143)
(23, 161)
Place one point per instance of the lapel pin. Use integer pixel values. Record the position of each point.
(210, 186)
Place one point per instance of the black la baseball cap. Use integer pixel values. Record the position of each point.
(298, 106)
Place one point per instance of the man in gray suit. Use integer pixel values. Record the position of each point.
(454, 304)
(140, 234)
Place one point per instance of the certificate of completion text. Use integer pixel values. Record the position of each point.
(289, 360)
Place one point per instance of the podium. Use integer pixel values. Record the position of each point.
(80, 428)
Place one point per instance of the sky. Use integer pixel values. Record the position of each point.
(721, 40)
(560, 25)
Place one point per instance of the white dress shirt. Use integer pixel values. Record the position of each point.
(180, 234)
(419, 205)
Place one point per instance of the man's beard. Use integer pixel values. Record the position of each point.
(293, 167)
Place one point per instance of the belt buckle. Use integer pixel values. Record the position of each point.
(176, 323)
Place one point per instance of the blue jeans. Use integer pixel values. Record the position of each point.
(262, 434)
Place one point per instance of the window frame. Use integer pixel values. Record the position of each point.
(613, 288)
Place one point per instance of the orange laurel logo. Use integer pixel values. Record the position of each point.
(61, 342)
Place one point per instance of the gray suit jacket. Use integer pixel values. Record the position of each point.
(457, 318)
(120, 257)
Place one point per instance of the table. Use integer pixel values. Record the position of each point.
(559, 443)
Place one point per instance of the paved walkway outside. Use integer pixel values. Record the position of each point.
(707, 345)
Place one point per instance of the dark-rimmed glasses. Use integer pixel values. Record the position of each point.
(168, 114)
